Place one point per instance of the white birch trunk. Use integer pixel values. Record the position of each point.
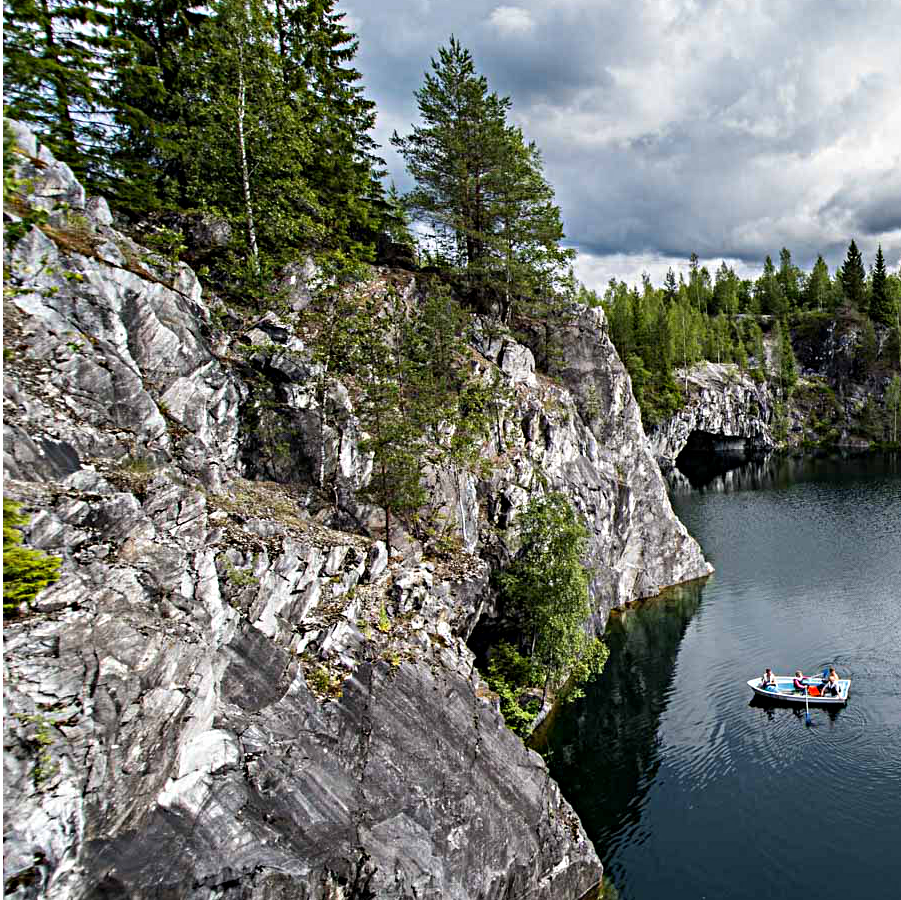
(245, 172)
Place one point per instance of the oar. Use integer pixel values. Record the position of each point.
(807, 704)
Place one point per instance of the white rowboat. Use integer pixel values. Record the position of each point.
(785, 692)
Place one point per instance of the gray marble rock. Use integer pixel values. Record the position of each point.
(723, 402)
(223, 696)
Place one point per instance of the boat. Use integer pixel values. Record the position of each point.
(784, 691)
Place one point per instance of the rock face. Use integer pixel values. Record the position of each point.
(726, 407)
(232, 691)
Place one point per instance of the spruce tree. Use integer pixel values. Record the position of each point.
(153, 94)
(853, 278)
(248, 108)
(880, 300)
(55, 59)
(343, 171)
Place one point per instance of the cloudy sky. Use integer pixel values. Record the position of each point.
(729, 128)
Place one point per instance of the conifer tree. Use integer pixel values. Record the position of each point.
(480, 186)
(788, 278)
(251, 109)
(853, 278)
(817, 290)
(768, 291)
(316, 51)
(880, 300)
(55, 56)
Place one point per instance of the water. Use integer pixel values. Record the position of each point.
(688, 788)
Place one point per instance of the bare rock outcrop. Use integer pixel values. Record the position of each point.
(221, 697)
(726, 406)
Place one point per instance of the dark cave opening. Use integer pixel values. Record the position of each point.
(706, 456)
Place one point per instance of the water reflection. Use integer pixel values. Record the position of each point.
(774, 708)
(728, 473)
(602, 748)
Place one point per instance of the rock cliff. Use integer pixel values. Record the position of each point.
(228, 693)
(726, 409)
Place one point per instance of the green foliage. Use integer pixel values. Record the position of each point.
(853, 278)
(14, 191)
(881, 306)
(786, 366)
(510, 675)
(480, 187)
(251, 110)
(867, 347)
(55, 58)
(384, 623)
(893, 405)
(546, 589)
(25, 572)
(41, 738)
(240, 578)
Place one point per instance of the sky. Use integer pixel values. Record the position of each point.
(727, 128)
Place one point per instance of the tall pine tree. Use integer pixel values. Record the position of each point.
(853, 278)
(880, 300)
(480, 186)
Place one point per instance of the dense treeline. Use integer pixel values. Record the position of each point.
(723, 319)
(247, 110)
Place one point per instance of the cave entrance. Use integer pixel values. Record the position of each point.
(706, 456)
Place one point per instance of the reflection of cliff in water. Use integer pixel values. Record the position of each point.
(727, 473)
(706, 458)
(602, 748)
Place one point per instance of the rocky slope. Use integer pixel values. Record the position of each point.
(224, 695)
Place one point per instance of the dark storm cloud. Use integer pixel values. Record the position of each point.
(730, 129)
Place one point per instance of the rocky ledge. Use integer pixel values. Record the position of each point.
(225, 694)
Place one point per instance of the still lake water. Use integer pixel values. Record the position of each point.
(688, 788)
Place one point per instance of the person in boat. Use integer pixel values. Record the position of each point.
(799, 682)
(830, 685)
(768, 679)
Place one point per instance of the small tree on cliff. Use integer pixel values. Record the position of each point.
(25, 572)
(546, 588)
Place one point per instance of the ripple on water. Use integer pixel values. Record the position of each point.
(674, 780)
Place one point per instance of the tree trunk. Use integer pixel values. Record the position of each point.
(245, 171)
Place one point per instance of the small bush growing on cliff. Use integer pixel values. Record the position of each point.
(510, 675)
(546, 588)
(25, 572)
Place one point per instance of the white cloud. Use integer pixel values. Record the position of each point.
(512, 21)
